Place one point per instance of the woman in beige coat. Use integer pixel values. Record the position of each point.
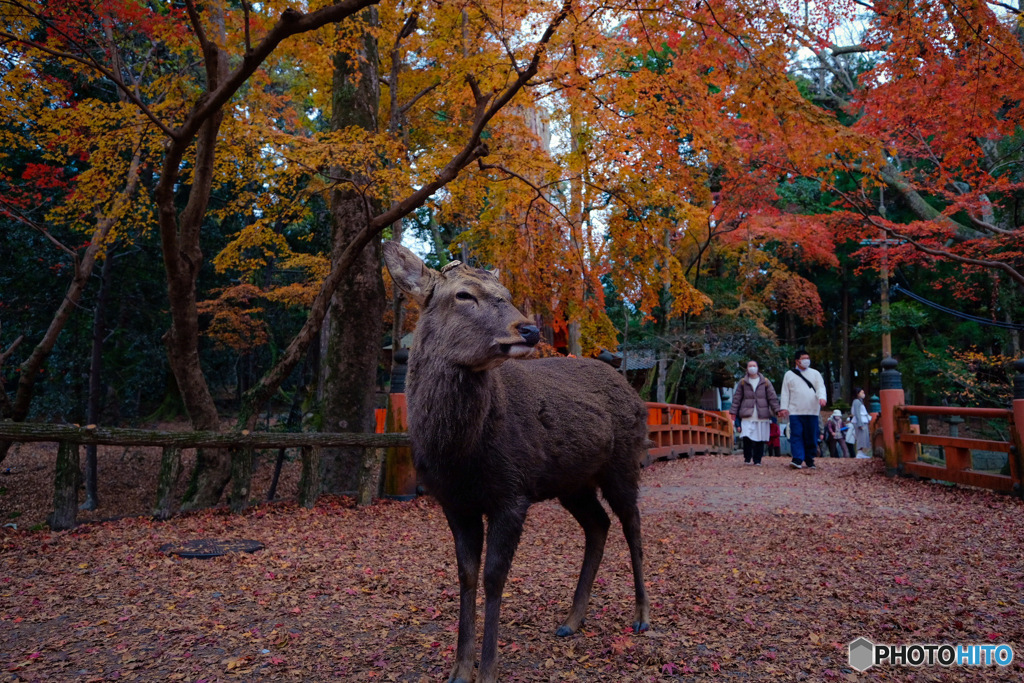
(755, 402)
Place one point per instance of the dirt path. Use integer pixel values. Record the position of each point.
(755, 574)
(724, 484)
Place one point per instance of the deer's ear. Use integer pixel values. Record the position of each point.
(407, 270)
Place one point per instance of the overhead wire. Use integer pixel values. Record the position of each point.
(896, 289)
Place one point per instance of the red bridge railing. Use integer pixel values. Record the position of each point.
(957, 452)
(903, 445)
(679, 431)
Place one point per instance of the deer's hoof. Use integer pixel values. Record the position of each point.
(564, 631)
(640, 626)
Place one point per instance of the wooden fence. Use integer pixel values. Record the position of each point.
(904, 447)
(675, 430)
(240, 445)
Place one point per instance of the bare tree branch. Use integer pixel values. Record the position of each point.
(10, 349)
(17, 214)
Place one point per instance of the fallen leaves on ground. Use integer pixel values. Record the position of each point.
(754, 574)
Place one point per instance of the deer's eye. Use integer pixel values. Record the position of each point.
(465, 296)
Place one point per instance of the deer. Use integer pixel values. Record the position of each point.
(493, 433)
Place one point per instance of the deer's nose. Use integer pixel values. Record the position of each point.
(531, 335)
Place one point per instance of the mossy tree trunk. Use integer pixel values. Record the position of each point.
(355, 321)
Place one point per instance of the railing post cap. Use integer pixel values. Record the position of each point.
(890, 377)
(1018, 379)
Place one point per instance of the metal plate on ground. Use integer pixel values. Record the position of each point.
(206, 548)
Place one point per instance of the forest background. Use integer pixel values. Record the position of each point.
(192, 195)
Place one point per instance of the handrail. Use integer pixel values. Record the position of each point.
(956, 450)
(672, 436)
(110, 436)
(995, 413)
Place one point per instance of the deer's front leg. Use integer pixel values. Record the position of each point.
(503, 531)
(468, 531)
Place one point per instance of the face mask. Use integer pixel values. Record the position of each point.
(805, 363)
(752, 370)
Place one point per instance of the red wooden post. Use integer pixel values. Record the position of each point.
(399, 471)
(1017, 449)
(890, 395)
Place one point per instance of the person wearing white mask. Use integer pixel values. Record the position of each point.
(834, 435)
(755, 401)
(803, 397)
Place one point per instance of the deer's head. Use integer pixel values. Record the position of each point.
(466, 317)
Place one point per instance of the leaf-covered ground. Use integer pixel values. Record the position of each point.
(754, 573)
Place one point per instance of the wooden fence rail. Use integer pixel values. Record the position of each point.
(675, 430)
(241, 446)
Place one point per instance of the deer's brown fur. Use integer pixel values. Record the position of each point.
(491, 435)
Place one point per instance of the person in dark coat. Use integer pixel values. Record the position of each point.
(834, 435)
(754, 401)
(775, 439)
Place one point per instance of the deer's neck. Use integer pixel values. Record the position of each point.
(449, 406)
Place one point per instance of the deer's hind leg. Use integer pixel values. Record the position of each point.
(468, 531)
(587, 510)
(622, 497)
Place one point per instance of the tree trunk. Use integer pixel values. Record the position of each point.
(845, 373)
(370, 479)
(92, 416)
(355, 326)
(183, 259)
(397, 309)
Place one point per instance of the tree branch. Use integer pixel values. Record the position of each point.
(474, 149)
(540, 195)
(83, 269)
(10, 350)
(197, 25)
(952, 256)
(889, 230)
(290, 23)
(15, 212)
(99, 68)
(417, 97)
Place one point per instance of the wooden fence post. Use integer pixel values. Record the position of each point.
(1017, 449)
(241, 478)
(309, 484)
(67, 477)
(890, 395)
(370, 477)
(170, 470)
